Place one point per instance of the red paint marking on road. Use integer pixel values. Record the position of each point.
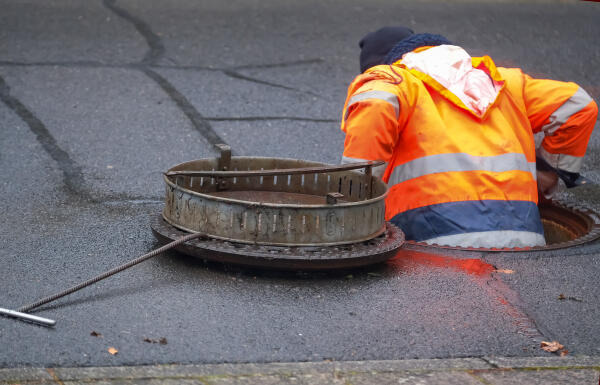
(410, 261)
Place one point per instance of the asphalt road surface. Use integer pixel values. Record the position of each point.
(98, 98)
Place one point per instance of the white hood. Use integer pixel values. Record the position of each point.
(451, 66)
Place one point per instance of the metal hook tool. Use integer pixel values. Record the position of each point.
(27, 317)
(48, 322)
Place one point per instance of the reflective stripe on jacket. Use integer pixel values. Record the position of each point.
(456, 177)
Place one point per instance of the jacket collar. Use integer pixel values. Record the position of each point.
(447, 75)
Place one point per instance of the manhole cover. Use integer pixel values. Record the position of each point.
(375, 250)
(276, 201)
(278, 213)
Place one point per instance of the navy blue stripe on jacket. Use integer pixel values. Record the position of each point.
(452, 218)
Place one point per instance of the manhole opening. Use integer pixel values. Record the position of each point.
(564, 226)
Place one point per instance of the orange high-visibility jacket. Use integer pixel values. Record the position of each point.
(457, 178)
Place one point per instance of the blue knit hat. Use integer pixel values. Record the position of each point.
(413, 42)
(375, 45)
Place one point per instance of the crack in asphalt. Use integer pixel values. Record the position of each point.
(73, 179)
(488, 278)
(94, 64)
(156, 47)
(280, 65)
(155, 52)
(73, 176)
(65, 64)
(198, 121)
(513, 306)
(230, 72)
(237, 75)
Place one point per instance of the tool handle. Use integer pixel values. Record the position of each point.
(27, 317)
(110, 272)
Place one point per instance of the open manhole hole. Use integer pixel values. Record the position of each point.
(564, 226)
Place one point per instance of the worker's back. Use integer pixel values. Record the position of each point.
(461, 168)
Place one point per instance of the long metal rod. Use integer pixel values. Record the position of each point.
(27, 317)
(20, 313)
(280, 171)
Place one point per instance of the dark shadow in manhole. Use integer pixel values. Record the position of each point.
(565, 226)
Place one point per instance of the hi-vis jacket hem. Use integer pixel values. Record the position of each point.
(432, 221)
(439, 152)
(491, 239)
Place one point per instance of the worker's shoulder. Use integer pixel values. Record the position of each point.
(511, 75)
(384, 76)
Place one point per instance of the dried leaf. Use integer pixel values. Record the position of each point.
(563, 297)
(551, 346)
(161, 340)
(564, 352)
(504, 271)
(112, 351)
(95, 334)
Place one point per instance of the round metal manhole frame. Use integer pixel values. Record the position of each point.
(586, 220)
(192, 202)
(303, 258)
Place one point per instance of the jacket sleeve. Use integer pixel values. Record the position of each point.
(370, 121)
(566, 114)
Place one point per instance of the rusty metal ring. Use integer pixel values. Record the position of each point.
(347, 256)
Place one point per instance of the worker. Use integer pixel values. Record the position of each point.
(456, 134)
